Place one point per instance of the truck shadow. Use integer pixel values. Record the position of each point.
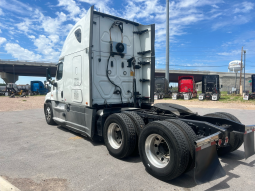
(95, 142)
(232, 160)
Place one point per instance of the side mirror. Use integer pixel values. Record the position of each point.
(221, 86)
(48, 75)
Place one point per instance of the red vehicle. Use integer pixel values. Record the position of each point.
(186, 88)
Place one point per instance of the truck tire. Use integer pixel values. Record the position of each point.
(234, 139)
(164, 150)
(191, 137)
(119, 135)
(137, 120)
(139, 125)
(238, 137)
(48, 112)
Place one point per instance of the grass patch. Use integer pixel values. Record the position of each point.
(24, 100)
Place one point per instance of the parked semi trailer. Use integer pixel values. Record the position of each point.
(186, 88)
(13, 89)
(104, 87)
(210, 88)
(251, 95)
(162, 89)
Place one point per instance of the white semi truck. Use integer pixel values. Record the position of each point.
(105, 87)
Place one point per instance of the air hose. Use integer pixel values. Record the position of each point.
(120, 90)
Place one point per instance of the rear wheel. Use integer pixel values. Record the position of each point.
(190, 137)
(137, 120)
(119, 135)
(49, 114)
(238, 137)
(164, 150)
(139, 125)
(235, 140)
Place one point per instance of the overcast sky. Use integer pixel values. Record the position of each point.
(204, 34)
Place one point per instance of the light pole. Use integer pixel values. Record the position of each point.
(244, 70)
(167, 41)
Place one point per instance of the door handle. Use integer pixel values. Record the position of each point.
(68, 107)
(61, 94)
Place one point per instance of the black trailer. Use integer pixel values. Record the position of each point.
(210, 88)
(251, 95)
(162, 89)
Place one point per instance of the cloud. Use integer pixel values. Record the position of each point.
(24, 26)
(244, 7)
(2, 40)
(215, 6)
(1, 12)
(52, 25)
(235, 20)
(231, 53)
(75, 12)
(16, 7)
(31, 36)
(45, 45)
(103, 5)
(21, 53)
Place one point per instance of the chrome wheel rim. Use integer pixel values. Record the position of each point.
(114, 134)
(48, 114)
(157, 150)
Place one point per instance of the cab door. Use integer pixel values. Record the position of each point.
(60, 83)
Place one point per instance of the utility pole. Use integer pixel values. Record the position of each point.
(244, 70)
(241, 88)
(167, 41)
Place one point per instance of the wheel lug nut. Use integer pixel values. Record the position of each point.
(162, 159)
(157, 138)
(157, 153)
(156, 145)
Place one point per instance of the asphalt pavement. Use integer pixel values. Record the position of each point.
(36, 156)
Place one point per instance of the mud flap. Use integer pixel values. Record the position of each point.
(174, 96)
(186, 96)
(249, 149)
(201, 97)
(207, 166)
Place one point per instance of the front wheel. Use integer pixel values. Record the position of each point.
(49, 114)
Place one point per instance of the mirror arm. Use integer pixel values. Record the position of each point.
(54, 84)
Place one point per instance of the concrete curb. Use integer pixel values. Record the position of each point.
(7, 186)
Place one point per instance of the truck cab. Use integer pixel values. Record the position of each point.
(210, 88)
(104, 88)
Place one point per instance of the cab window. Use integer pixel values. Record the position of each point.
(60, 71)
(78, 35)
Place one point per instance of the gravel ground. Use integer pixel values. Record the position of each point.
(21, 103)
(35, 102)
(35, 156)
(209, 104)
